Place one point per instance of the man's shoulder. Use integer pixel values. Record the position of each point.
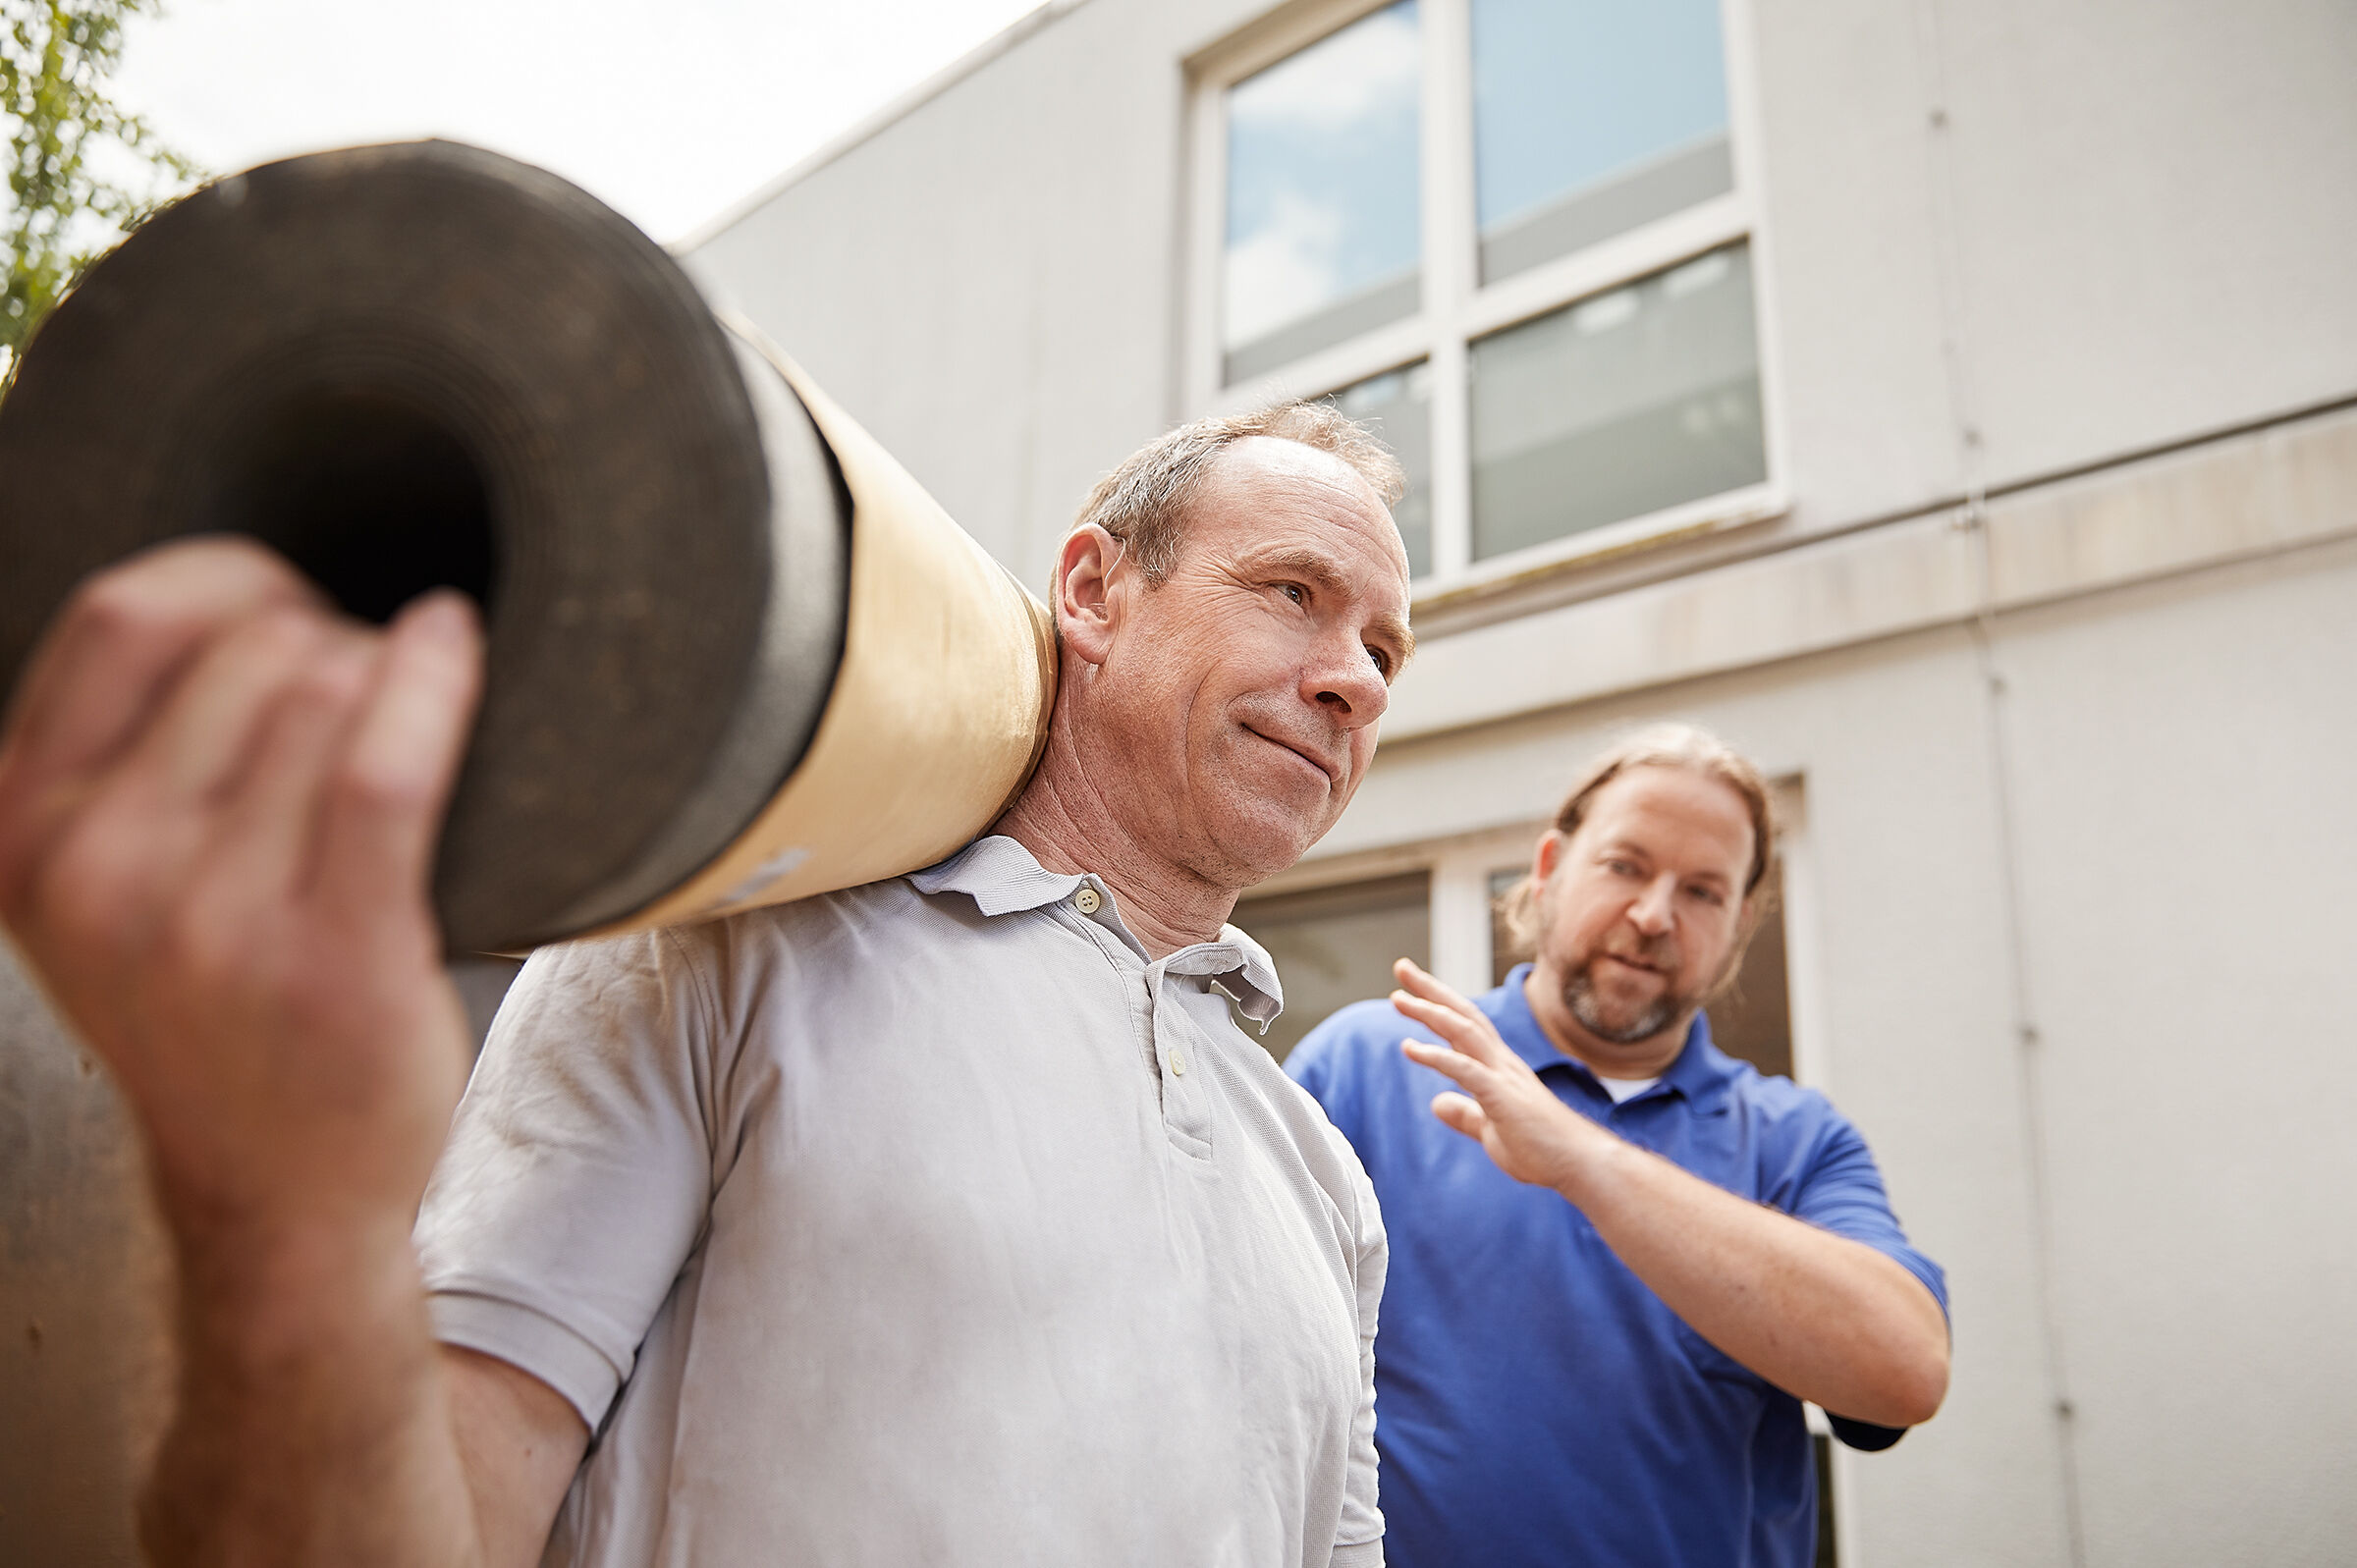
(1358, 1034)
(1365, 1020)
(812, 945)
(1351, 1064)
(874, 915)
(1775, 1094)
(1791, 1117)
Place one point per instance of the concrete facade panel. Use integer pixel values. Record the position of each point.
(1853, 293)
(2180, 761)
(2153, 207)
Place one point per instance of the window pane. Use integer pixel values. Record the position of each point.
(1335, 947)
(1592, 117)
(1322, 202)
(1396, 408)
(1753, 1017)
(1618, 405)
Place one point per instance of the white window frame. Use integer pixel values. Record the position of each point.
(1456, 308)
(1458, 867)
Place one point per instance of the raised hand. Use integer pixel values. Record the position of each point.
(1531, 1135)
(218, 801)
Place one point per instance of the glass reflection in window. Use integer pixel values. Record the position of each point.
(1334, 946)
(1618, 405)
(1323, 210)
(1590, 118)
(1397, 408)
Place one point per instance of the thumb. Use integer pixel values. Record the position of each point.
(1462, 1114)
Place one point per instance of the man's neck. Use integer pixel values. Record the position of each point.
(1649, 1057)
(1065, 822)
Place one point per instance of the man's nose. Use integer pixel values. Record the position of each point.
(1348, 686)
(1653, 912)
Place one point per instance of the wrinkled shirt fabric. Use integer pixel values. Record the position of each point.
(927, 1223)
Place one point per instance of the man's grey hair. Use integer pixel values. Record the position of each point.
(1143, 501)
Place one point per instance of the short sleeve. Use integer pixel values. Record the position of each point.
(1843, 1193)
(580, 1168)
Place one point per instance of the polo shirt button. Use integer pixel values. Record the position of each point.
(1088, 900)
(1178, 1064)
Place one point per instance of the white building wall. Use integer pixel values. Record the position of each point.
(2179, 758)
(987, 284)
(2065, 941)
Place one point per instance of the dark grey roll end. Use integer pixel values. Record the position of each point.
(424, 364)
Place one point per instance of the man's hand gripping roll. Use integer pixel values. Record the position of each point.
(218, 806)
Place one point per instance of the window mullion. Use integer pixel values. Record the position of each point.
(1449, 272)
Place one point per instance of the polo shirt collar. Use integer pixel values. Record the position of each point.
(1003, 877)
(1701, 1071)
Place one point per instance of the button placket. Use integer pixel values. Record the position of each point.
(1186, 1098)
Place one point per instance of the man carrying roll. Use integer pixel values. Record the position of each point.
(945, 1219)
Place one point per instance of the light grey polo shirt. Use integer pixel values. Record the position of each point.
(925, 1223)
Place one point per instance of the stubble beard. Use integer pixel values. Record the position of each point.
(1660, 953)
(1579, 997)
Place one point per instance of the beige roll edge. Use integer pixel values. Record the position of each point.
(939, 711)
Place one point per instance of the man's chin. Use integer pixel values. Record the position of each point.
(1621, 1024)
(1258, 846)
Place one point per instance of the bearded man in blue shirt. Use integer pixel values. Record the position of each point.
(1620, 1259)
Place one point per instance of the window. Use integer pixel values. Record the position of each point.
(1512, 237)
(1397, 406)
(1591, 118)
(1322, 200)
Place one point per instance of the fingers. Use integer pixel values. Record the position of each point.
(118, 644)
(111, 847)
(1420, 982)
(1474, 1075)
(385, 801)
(199, 739)
(270, 823)
(1472, 1034)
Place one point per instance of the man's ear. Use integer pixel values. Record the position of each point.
(1087, 596)
(1547, 855)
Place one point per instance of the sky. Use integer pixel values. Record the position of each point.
(670, 111)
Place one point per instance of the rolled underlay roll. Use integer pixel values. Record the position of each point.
(736, 655)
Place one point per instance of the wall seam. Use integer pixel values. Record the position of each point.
(1947, 225)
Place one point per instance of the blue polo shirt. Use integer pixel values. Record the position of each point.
(1535, 1402)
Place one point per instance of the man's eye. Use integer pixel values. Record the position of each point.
(1709, 896)
(1294, 591)
(1383, 662)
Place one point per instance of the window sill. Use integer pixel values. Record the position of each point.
(1458, 592)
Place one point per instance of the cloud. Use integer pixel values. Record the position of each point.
(1335, 84)
(1284, 269)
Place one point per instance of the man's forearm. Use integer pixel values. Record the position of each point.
(313, 1424)
(1819, 1315)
